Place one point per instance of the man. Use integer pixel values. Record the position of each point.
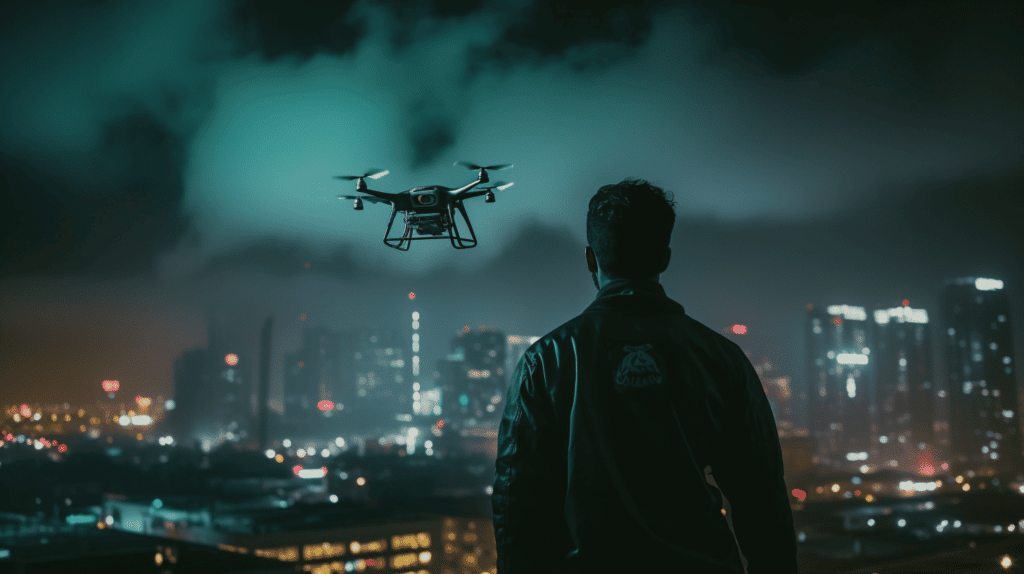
(613, 417)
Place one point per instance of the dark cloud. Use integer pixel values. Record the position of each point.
(587, 35)
(285, 258)
(118, 217)
(792, 36)
(274, 30)
(431, 132)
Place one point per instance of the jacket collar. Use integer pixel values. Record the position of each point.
(633, 293)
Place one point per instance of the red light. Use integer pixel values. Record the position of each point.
(440, 424)
(799, 494)
(465, 329)
(25, 411)
(906, 302)
(856, 493)
(62, 448)
(411, 295)
(739, 329)
(302, 364)
(110, 386)
(231, 359)
(837, 321)
(297, 469)
(325, 405)
(324, 468)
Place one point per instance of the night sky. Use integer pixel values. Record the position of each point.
(162, 164)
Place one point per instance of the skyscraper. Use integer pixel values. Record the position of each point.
(474, 387)
(314, 376)
(382, 389)
(841, 384)
(211, 393)
(906, 393)
(980, 378)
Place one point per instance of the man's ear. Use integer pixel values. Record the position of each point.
(664, 263)
(591, 259)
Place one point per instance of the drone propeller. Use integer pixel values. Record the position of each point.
(468, 165)
(372, 174)
(501, 185)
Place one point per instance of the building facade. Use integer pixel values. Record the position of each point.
(907, 394)
(980, 377)
(841, 385)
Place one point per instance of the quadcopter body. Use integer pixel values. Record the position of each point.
(429, 212)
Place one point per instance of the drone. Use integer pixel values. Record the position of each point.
(428, 211)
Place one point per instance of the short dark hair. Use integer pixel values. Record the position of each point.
(628, 225)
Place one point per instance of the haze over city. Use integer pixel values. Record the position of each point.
(169, 167)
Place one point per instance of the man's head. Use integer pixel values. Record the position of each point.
(629, 225)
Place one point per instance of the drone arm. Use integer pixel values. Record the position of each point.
(381, 196)
(461, 192)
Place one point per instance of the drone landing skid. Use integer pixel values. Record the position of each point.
(404, 241)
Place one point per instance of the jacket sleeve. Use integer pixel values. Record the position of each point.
(748, 467)
(529, 485)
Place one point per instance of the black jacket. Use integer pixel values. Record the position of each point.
(610, 423)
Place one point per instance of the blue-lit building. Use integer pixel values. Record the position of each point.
(907, 395)
(474, 385)
(841, 385)
(980, 378)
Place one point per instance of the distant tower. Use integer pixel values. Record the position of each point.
(473, 391)
(841, 385)
(980, 379)
(211, 396)
(906, 393)
(313, 379)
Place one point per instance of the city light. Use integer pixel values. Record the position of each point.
(325, 405)
(982, 284)
(901, 315)
(412, 295)
(231, 359)
(739, 329)
(851, 359)
(849, 312)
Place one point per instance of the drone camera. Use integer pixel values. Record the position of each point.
(425, 199)
(357, 204)
(489, 197)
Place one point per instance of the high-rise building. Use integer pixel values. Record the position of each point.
(473, 389)
(314, 377)
(980, 378)
(212, 397)
(841, 385)
(906, 393)
(382, 388)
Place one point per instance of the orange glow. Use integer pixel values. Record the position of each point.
(231, 359)
(25, 411)
(111, 386)
(325, 405)
(411, 295)
(279, 458)
(739, 329)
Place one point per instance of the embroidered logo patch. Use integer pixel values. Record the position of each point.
(638, 368)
